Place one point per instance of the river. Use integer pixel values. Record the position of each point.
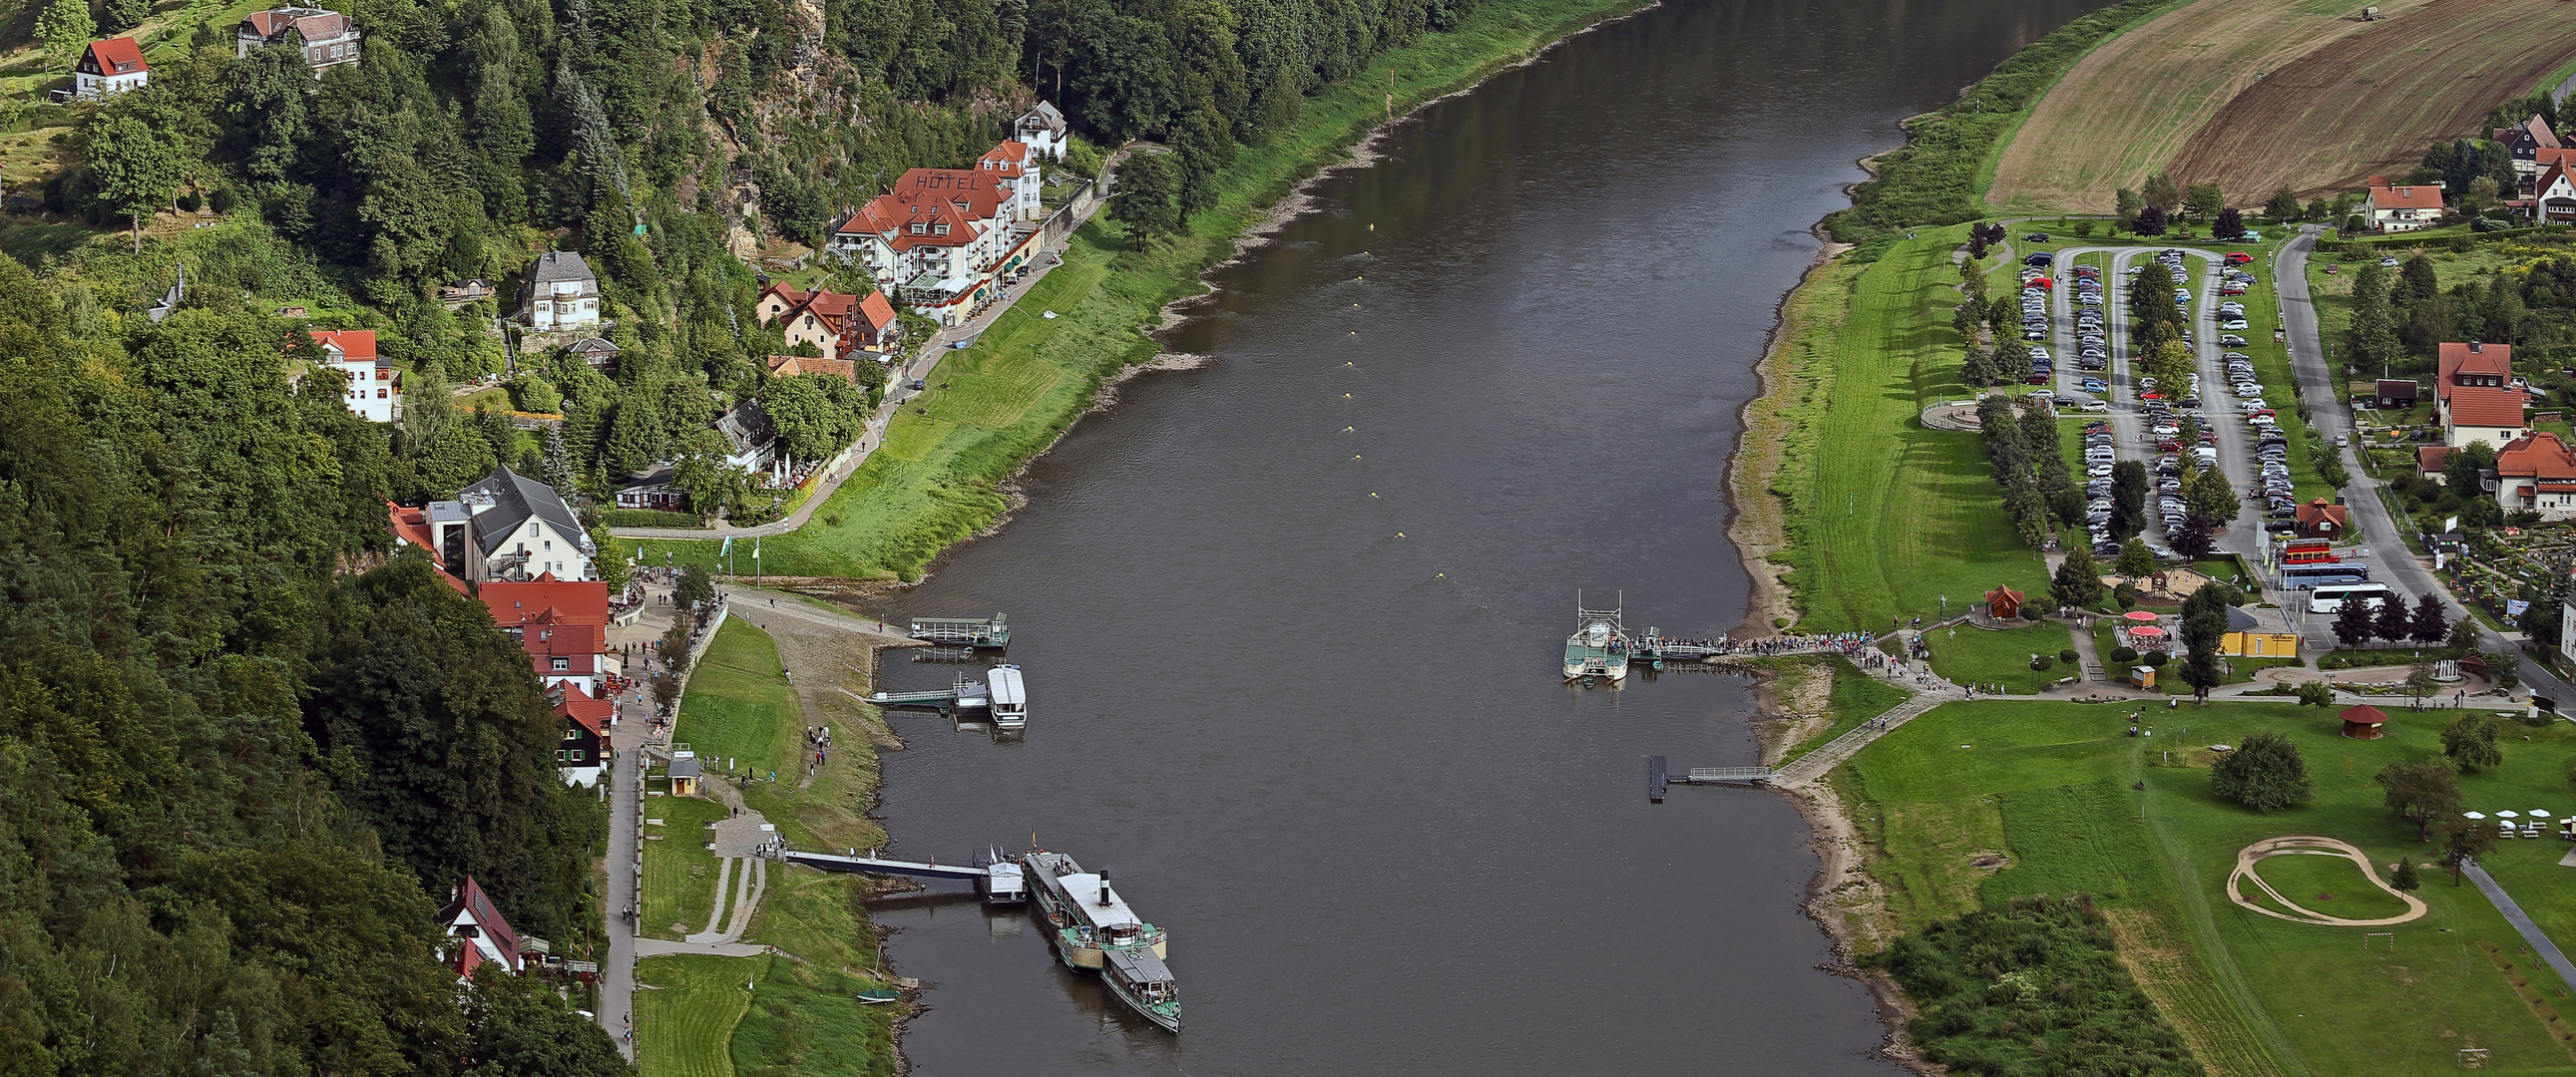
(1291, 621)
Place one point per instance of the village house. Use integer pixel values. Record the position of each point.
(654, 489)
(789, 366)
(2429, 460)
(2389, 208)
(583, 755)
(2553, 196)
(749, 439)
(598, 352)
(2537, 473)
(2474, 393)
(457, 295)
(1043, 131)
(1019, 176)
(327, 37)
(509, 527)
(375, 393)
(946, 239)
(2525, 140)
(471, 918)
(562, 292)
(109, 67)
(2394, 394)
(835, 323)
(2323, 519)
(562, 624)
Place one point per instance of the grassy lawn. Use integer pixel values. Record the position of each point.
(1026, 379)
(1883, 516)
(1856, 697)
(1977, 656)
(738, 708)
(687, 1008)
(679, 872)
(1979, 802)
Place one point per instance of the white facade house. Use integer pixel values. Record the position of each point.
(946, 236)
(2401, 209)
(510, 527)
(562, 292)
(327, 38)
(1016, 169)
(109, 67)
(375, 394)
(1044, 130)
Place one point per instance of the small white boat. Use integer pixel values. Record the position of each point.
(1010, 698)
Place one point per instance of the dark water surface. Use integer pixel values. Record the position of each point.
(1296, 684)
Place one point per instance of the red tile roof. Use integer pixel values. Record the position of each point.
(878, 313)
(575, 705)
(2321, 509)
(2538, 456)
(788, 366)
(2479, 405)
(2428, 458)
(2423, 198)
(469, 901)
(2454, 359)
(1007, 160)
(576, 602)
(116, 56)
(355, 345)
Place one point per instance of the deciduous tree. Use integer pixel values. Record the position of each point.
(2430, 623)
(65, 25)
(2264, 773)
(1146, 201)
(2078, 581)
(2282, 206)
(137, 168)
(2470, 742)
(2203, 201)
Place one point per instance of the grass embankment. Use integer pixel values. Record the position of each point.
(1939, 175)
(739, 715)
(1856, 697)
(803, 1017)
(936, 480)
(1974, 804)
(679, 871)
(1977, 656)
(2124, 110)
(1882, 516)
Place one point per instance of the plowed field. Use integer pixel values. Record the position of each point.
(2371, 102)
(2128, 107)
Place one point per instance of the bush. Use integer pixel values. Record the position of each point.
(188, 202)
(2123, 655)
(648, 518)
(2068, 655)
(2157, 659)
(2038, 983)
(2042, 662)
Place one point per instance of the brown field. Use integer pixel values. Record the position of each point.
(2371, 102)
(2128, 107)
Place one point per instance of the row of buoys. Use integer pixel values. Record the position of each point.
(1347, 396)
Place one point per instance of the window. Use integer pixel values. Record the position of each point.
(560, 755)
(942, 230)
(380, 394)
(916, 228)
(570, 733)
(576, 755)
(563, 665)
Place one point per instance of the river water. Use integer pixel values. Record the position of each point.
(1291, 622)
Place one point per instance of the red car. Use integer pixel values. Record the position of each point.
(2238, 258)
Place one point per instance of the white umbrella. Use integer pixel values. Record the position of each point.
(2473, 815)
(2508, 815)
(2538, 814)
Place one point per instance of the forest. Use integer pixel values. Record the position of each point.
(249, 745)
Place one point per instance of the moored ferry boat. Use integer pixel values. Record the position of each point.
(1599, 648)
(1092, 928)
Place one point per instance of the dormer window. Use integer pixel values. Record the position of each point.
(917, 228)
(943, 230)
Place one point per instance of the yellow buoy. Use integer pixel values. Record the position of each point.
(1355, 456)
(1348, 429)
(1372, 493)
(1371, 228)
(1346, 396)
(1399, 534)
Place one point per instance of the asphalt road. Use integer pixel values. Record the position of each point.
(2392, 563)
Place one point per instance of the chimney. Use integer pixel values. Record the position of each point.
(2478, 347)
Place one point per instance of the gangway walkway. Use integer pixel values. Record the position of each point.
(875, 865)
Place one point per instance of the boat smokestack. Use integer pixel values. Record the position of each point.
(1104, 888)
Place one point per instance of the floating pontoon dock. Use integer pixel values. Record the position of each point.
(1658, 774)
(963, 631)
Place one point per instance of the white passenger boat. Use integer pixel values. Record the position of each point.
(1091, 928)
(1009, 696)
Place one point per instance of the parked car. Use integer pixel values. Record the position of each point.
(2238, 258)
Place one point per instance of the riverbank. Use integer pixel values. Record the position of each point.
(943, 475)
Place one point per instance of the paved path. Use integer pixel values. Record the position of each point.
(758, 606)
(625, 865)
(665, 948)
(2397, 565)
(2513, 914)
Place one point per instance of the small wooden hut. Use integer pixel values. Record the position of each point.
(2362, 722)
(2003, 603)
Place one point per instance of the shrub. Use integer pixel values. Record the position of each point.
(2042, 662)
(2124, 655)
(2157, 659)
(648, 518)
(2004, 990)
(2068, 655)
